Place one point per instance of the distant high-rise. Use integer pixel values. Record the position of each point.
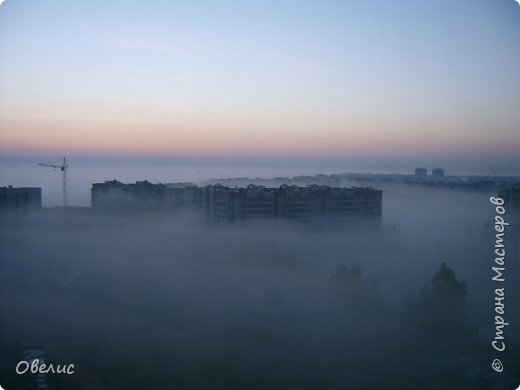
(421, 172)
(13, 199)
(438, 172)
(511, 197)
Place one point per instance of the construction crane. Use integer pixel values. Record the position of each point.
(63, 168)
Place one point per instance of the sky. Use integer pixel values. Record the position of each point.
(381, 79)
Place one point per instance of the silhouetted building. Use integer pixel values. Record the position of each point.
(421, 172)
(438, 172)
(14, 199)
(511, 197)
(290, 202)
(222, 203)
(143, 195)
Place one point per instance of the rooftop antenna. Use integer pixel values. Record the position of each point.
(63, 168)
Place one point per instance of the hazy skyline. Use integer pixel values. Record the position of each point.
(307, 79)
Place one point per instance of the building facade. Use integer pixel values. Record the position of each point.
(143, 196)
(15, 199)
(438, 172)
(511, 197)
(421, 172)
(225, 204)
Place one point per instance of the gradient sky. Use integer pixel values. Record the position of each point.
(282, 78)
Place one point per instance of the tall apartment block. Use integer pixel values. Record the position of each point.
(143, 196)
(226, 204)
(17, 199)
(290, 202)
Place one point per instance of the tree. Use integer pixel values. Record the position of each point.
(345, 275)
(441, 306)
(448, 292)
(355, 272)
(357, 289)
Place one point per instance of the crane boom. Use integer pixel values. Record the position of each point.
(48, 165)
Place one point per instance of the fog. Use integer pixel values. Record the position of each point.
(168, 301)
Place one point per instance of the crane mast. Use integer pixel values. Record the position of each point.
(63, 168)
